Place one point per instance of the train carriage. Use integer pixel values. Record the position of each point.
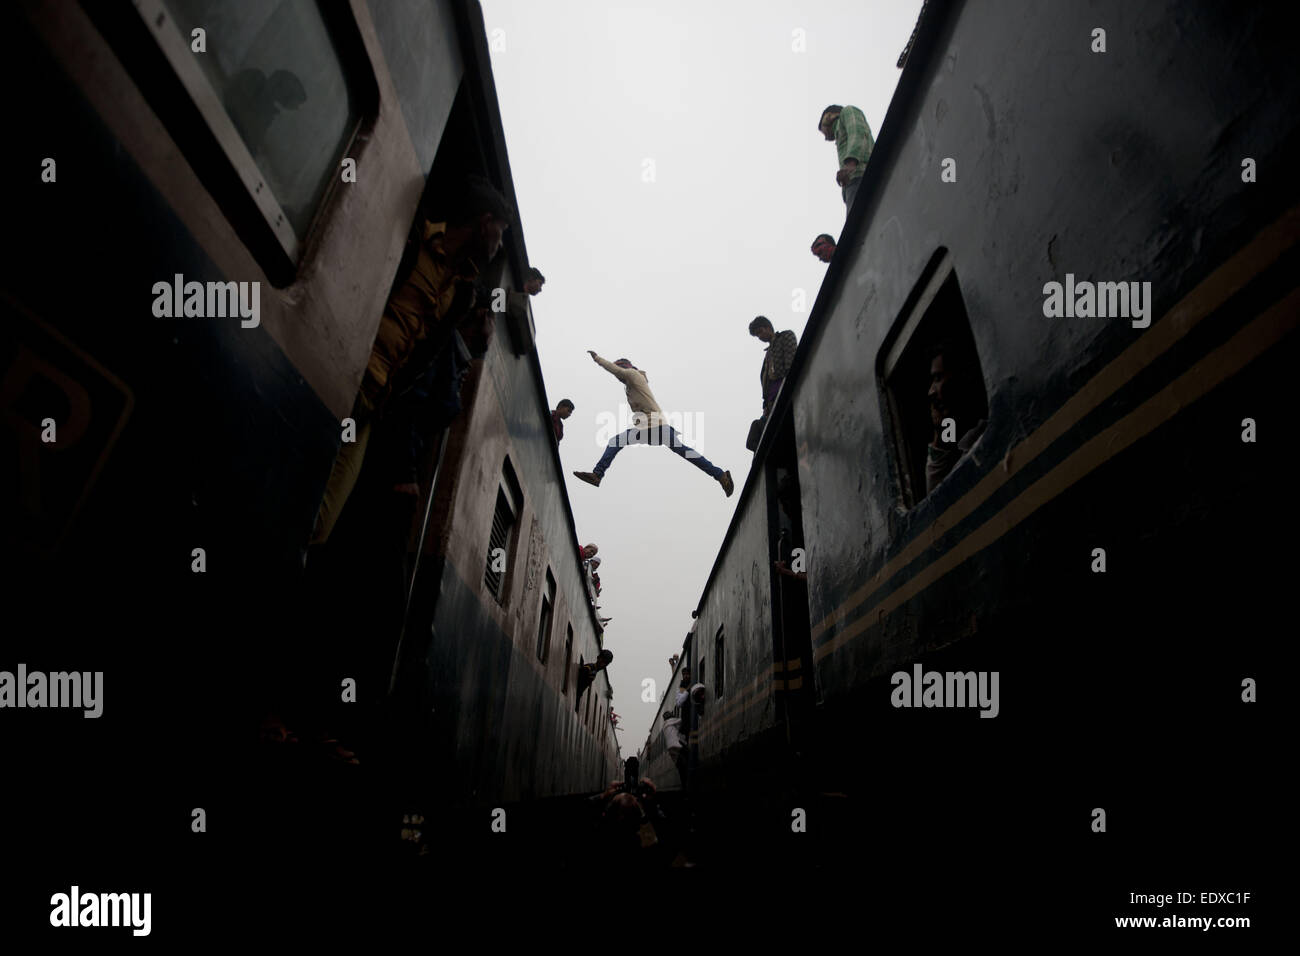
(1096, 546)
(287, 148)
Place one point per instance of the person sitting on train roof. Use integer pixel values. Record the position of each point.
(588, 552)
(649, 427)
(847, 128)
(823, 247)
(562, 411)
(438, 290)
(951, 397)
(777, 358)
(533, 281)
(587, 673)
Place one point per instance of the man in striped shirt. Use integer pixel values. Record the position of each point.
(848, 129)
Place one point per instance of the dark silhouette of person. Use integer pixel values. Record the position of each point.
(254, 101)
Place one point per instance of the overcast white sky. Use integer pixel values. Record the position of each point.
(723, 96)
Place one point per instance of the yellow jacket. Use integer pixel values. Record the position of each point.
(412, 311)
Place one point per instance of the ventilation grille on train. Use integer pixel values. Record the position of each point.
(502, 520)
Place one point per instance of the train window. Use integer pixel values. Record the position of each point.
(504, 519)
(717, 664)
(568, 659)
(282, 86)
(932, 383)
(544, 620)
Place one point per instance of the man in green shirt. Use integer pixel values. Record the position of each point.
(848, 129)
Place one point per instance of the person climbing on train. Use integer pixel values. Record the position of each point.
(691, 712)
(649, 427)
(952, 396)
(847, 128)
(428, 304)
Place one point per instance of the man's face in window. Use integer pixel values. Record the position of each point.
(491, 233)
(939, 380)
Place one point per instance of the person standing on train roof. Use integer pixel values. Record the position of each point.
(847, 128)
(779, 357)
(562, 411)
(438, 291)
(951, 396)
(648, 428)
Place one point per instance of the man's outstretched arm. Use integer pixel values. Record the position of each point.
(610, 367)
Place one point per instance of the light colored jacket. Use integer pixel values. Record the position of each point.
(646, 410)
(673, 736)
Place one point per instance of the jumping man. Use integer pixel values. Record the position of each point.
(649, 427)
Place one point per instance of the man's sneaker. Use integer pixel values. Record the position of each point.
(591, 478)
(727, 485)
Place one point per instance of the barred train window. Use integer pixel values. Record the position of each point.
(272, 87)
(932, 383)
(505, 518)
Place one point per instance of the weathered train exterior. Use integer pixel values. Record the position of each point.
(1123, 165)
(212, 433)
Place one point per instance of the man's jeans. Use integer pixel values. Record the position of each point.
(655, 435)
